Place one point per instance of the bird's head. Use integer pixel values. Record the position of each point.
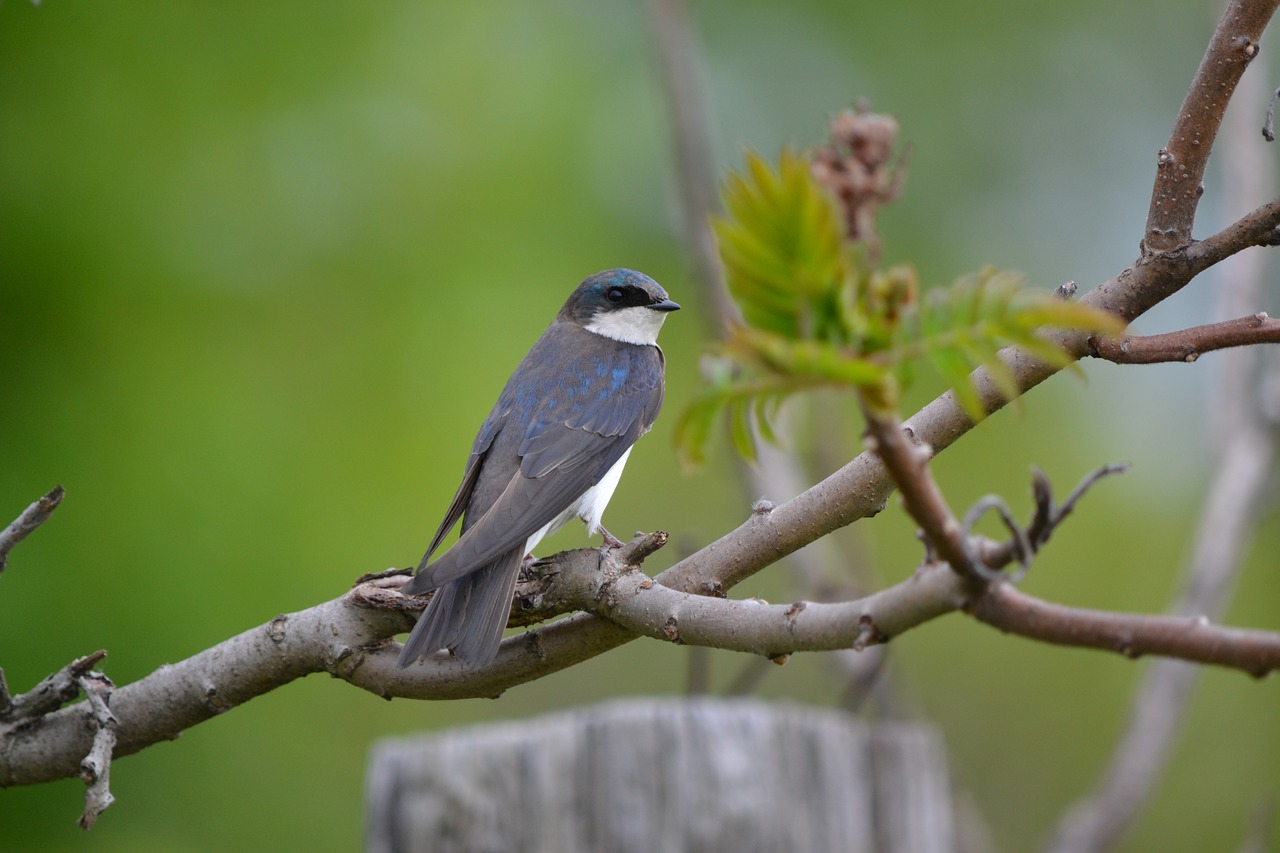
(621, 304)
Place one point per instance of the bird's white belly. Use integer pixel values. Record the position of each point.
(589, 507)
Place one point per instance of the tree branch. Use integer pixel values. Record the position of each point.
(31, 518)
(1048, 516)
(348, 638)
(95, 768)
(175, 697)
(1132, 635)
(1188, 344)
(1152, 280)
(1244, 445)
(773, 630)
(908, 465)
(1002, 606)
(1181, 163)
(52, 692)
(340, 637)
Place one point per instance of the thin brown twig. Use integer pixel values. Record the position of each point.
(1188, 344)
(908, 465)
(1048, 516)
(30, 518)
(1129, 634)
(1268, 124)
(53, 691)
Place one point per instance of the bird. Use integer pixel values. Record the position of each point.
(551, 450)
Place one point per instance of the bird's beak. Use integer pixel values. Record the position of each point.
(665, 305)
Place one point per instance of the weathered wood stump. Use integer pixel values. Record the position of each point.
(653, 775)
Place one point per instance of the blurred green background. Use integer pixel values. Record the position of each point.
(264, 267)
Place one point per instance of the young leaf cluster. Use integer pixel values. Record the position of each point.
(816, 316)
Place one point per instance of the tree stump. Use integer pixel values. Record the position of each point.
(653, 775)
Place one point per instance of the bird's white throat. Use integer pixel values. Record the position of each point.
(634, 325)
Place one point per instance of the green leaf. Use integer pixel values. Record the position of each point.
(780, 242)
(693, 430)
(807, 359)
(740, 412)
(954, 369)
(1041, 310)
(766, 409)
(747, 401)
(964, 326)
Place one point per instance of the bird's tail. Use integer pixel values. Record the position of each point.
(467, 615)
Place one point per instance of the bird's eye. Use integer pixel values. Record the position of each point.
(615, 295)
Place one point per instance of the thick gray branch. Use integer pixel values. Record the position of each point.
(161, 705)
(347, 639)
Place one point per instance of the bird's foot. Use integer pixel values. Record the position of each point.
(610, 540)
(526, 567)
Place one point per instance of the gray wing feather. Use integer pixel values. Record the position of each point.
(456, 507)
(526, 505)
(462, 497)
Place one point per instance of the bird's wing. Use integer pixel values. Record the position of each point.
(456, 507)
(529, 503)
(479, 450)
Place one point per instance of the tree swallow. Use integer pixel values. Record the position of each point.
(551, 450)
